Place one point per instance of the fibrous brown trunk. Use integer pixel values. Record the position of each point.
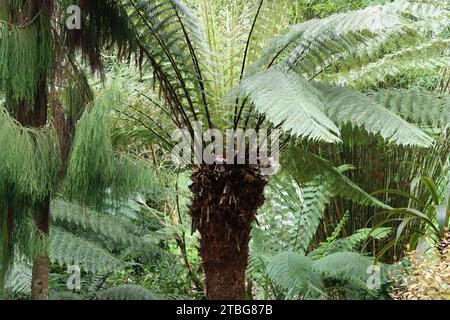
(225, 203)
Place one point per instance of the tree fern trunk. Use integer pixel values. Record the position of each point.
(225, 203)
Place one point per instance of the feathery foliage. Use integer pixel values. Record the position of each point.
(69, 249)
(30, 161)
(291, 102)
(25, 54)
(422, 108)
(348, 107)
(94, 171)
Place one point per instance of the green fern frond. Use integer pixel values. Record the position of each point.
(316, 196)
(348, 107)
(344, 266)
(293, 271)
(428, 56)
(19, 279)
(69, 249)
(305, 166)
(174, 44)
(290, 102)
(422, 108)
(122, 233)
(343, 30)
(350, 243)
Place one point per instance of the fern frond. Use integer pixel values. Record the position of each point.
(429, 56)
(422, 108)
(69, 249)
(339, 31)
(121, 232)
(290, 102)
(344, 266)
(316, 196)
(174, 44)
(305, 166)
(348, 107)
(293, 271)
(350, 243)
(19, 279)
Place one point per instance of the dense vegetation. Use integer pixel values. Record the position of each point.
(92, 205)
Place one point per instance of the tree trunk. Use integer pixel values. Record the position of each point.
(6, 232)
(39, 281)
(225, 203)
(36, 116)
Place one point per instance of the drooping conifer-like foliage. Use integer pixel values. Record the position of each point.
(45, 92)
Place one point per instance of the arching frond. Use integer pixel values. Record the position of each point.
(293, 271)
(421, 108)
(431, 55)
(352, 242)
(310, 44)
(290, 102)
(348, 107)
(104, 226)
(305, 166)
(344, 265)
(174, 44)
(69, 249)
